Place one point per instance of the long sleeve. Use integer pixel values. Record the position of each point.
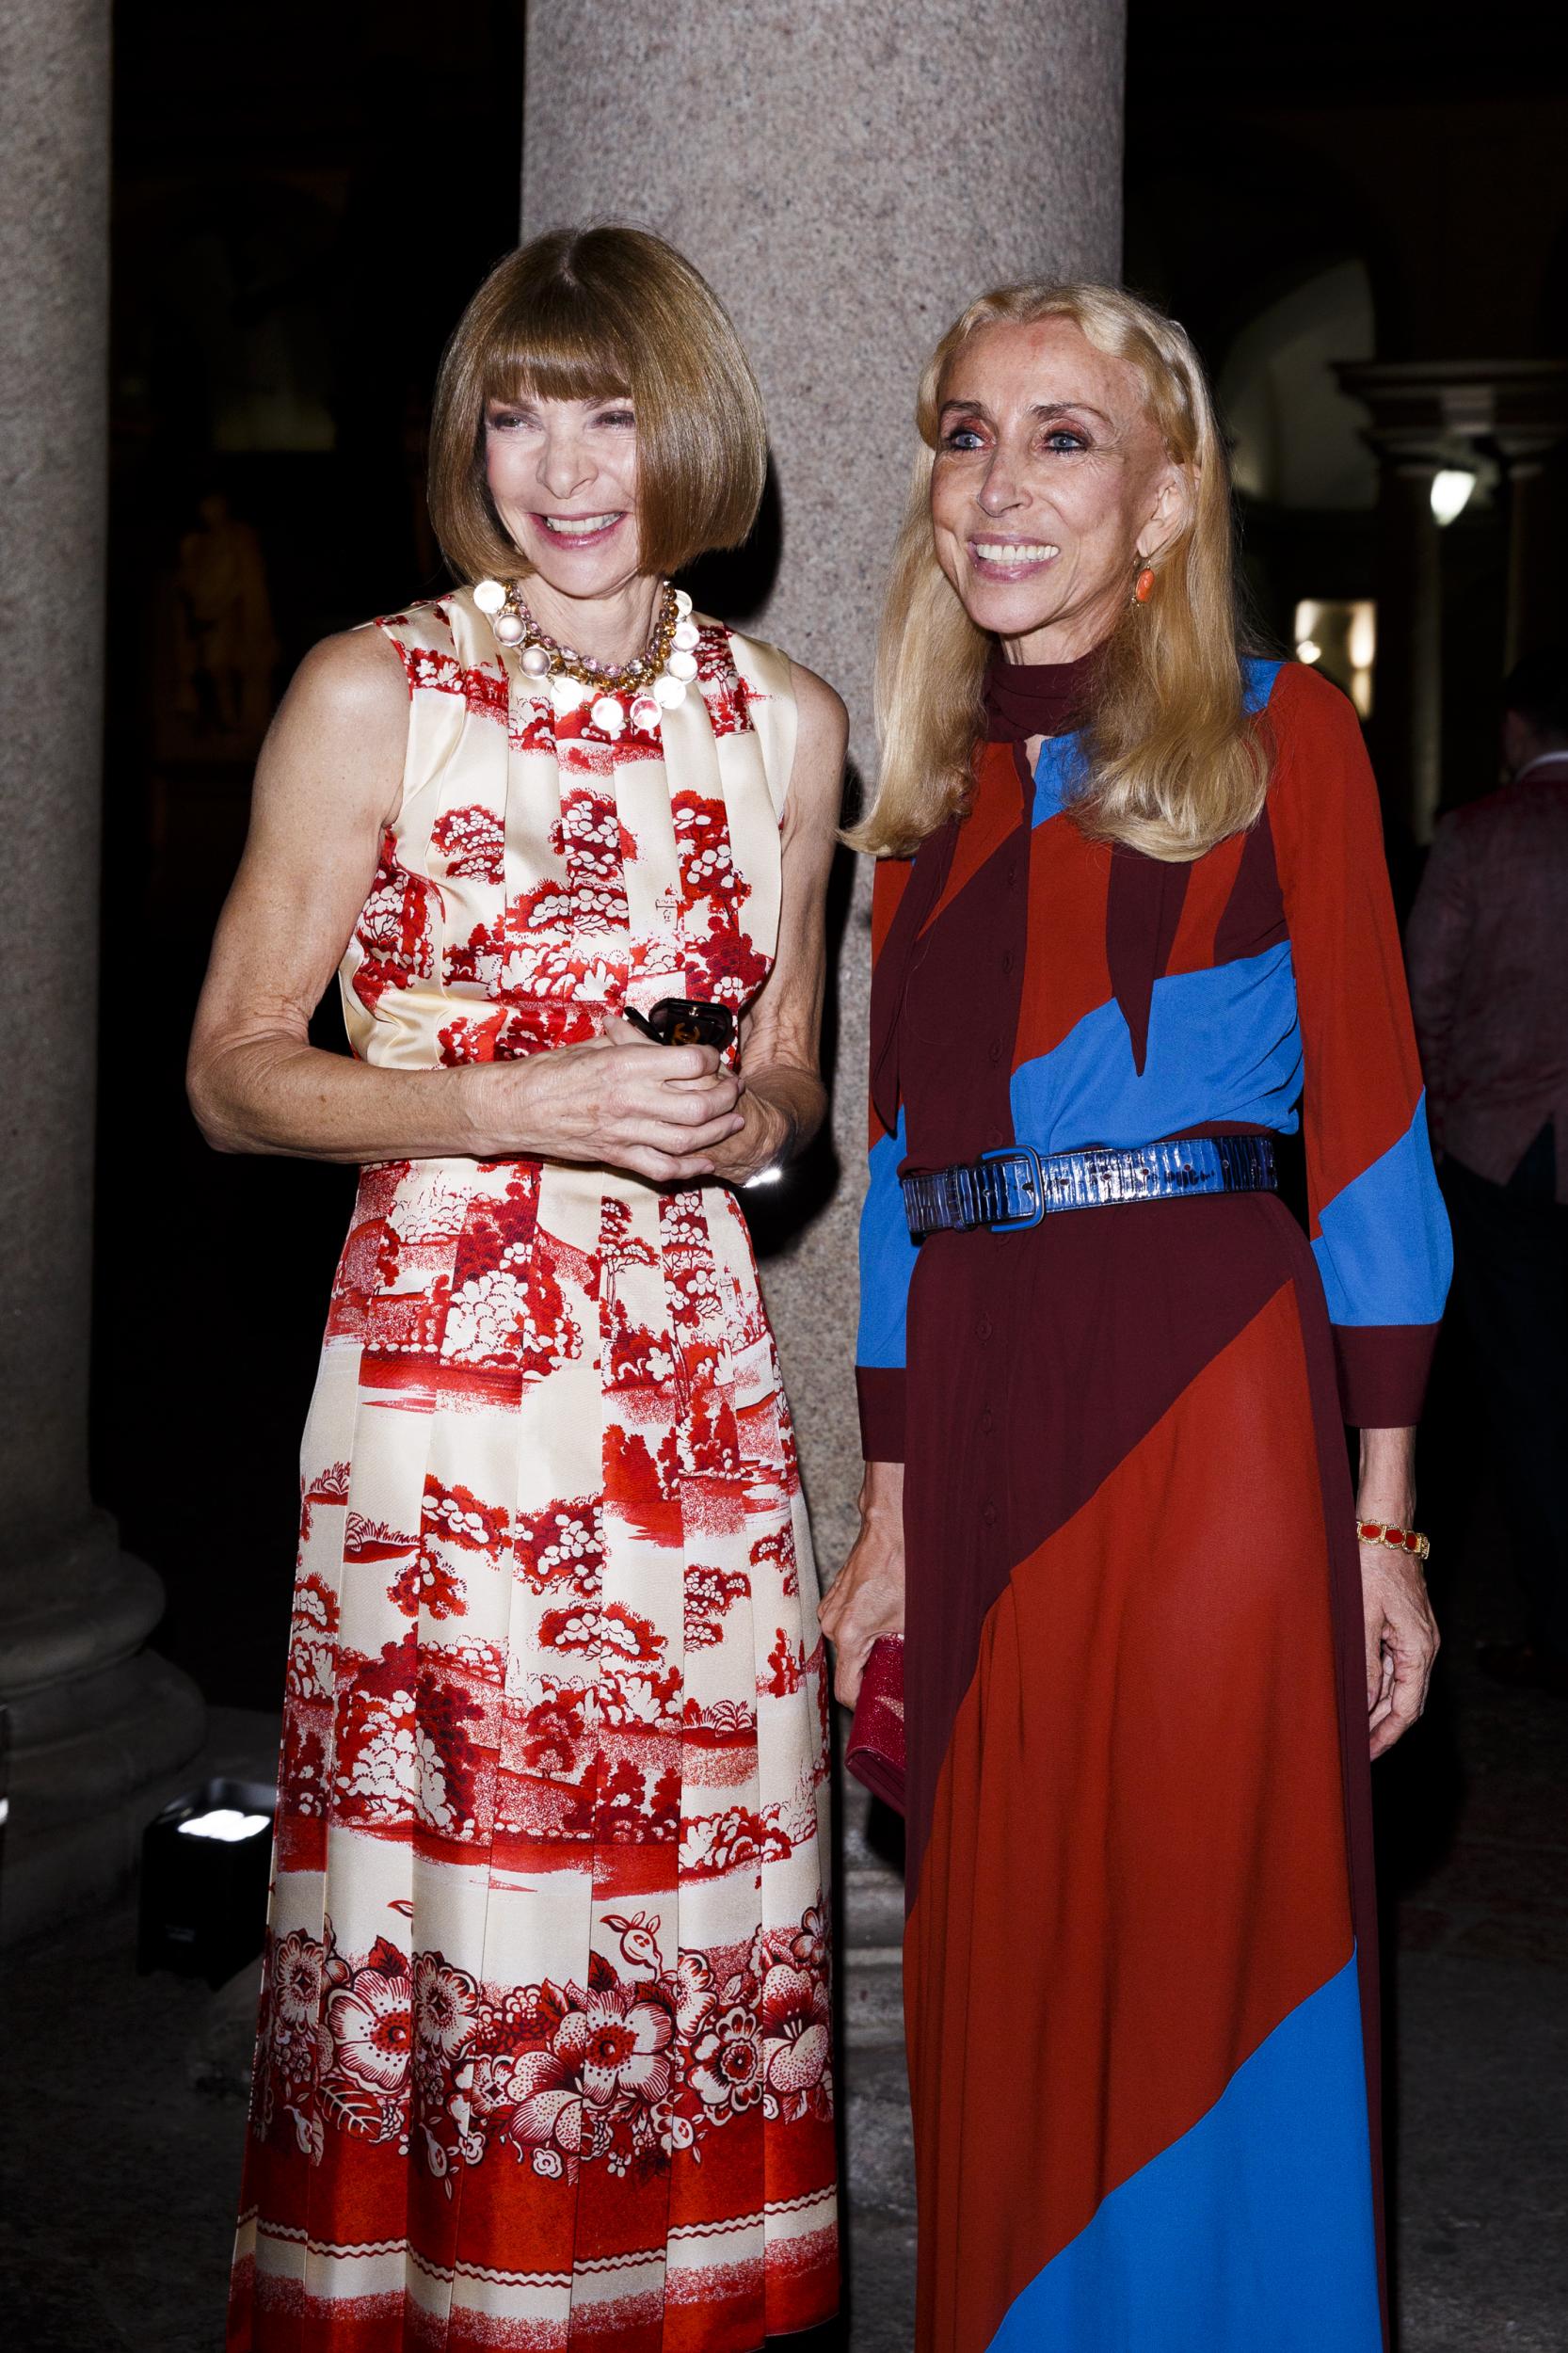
(1378, 1230)
(1436, 940)
(886, 1253)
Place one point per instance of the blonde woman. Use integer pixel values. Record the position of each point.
(1133, 910)
(545, 2040)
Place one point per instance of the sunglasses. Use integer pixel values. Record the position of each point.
(684, 1021)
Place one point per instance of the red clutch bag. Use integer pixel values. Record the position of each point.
(875, 1752)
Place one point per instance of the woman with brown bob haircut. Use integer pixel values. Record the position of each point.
(545, 2052)
(1130, 913)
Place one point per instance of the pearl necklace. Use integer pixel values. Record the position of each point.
(656, 682)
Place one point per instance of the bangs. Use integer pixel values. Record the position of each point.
(555, 347)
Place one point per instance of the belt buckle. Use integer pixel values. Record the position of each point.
(1024, 1180)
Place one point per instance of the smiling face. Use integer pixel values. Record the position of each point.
(563, 474)
(1051, 482)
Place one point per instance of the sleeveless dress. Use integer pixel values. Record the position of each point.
(545, 2044)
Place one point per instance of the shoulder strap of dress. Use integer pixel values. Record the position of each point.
(424, 636)
(771, 700)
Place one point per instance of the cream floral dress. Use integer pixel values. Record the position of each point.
(545, 2049)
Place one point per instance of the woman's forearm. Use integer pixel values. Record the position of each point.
(1386, 1488)
(279, 1094)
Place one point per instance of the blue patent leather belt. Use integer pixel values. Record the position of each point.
(1017, 1185)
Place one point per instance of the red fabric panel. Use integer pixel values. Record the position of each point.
(1137, 1864)
(1069, 975)
(1363, 1074)
(1037, 1360)
(994, 813)
(1344, 1555)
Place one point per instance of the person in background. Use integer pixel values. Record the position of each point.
(1488, 957)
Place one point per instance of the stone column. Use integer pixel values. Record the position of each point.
(1529, 553)
(847, 179)
(1407, 709)
(94, 1721)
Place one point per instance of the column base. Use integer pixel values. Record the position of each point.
(99, 1727)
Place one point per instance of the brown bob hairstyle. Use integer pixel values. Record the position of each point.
(593, 315)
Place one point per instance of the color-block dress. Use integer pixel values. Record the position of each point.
(1140, 1969)
(545, 2046)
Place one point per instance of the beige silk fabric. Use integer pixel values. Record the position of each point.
(545, 2055)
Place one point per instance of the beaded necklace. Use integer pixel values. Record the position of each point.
(655, 682)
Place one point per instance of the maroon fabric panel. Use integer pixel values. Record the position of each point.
(1036, 1360)
(924, 887)
(1025, 699)
(1143, 909)
(960, 1015)
(1350, 1651)
(1382, 1370)
(1253, 917)
(880, 1394)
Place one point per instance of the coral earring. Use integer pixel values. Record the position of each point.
(1143, 586)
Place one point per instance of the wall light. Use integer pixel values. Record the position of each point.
(1338, 635)
(1450, 494)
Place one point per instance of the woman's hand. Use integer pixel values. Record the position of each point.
(867, 1598)
(1400, 1631)
(764, 1139)
(617, 1101)
(1401, 1643)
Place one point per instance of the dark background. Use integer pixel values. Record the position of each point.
(304, 197)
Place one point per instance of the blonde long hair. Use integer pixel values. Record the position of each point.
(1172, 764)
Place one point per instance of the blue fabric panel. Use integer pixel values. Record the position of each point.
(1258, 683)
(1384, 1249)
(1224, 1044)
(1057, 771)
(1252, 2233)
(886, 1258)
(1056, 775)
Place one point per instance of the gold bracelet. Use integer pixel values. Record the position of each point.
(1397, 1539)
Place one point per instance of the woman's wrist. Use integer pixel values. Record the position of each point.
(790, 1105)
(776, 1128)
(1386, 1489)
(492, 1104)
(881, 1492)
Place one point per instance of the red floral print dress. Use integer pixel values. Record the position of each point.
(545, 2048)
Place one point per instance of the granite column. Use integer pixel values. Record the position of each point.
(847, 179)
(94, 1720)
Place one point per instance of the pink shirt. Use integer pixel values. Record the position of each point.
(1487, 951)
